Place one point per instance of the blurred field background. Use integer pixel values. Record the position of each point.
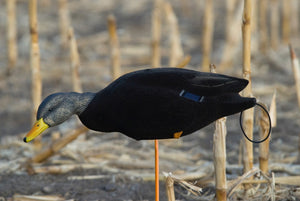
(111, 166)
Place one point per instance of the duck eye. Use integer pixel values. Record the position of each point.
(50, 109)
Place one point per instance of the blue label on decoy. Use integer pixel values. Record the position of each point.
(191, 96)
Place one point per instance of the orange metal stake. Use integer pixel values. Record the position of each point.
(156, 171)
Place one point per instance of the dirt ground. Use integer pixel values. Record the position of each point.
(122, 168)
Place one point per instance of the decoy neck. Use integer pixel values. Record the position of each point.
(57, 108)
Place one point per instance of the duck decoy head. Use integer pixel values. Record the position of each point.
(54, 110)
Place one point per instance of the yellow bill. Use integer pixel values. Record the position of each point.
(36, 130)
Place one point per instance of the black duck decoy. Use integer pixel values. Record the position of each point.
(156, 103)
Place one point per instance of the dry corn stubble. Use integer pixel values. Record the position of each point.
(248, 114)
(114, 47)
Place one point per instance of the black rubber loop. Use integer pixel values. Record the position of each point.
(270, 126)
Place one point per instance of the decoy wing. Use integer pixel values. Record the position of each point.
(200, 83)
(212, 84)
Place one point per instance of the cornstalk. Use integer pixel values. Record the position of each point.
(208, 27)
(64, 20)
(220, 158)
(219, 149)
(274, 35)
(264, 146)
(263, 28)
(295, 18)
(35, 63)
(273, 111)
(75, 61)
(248, 114)
(296, 71)
(11, 35)
(156, 33)
(170, 188)
(114, 47)
(176, 52)
(286, 24)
